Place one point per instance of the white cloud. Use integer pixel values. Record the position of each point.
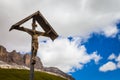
(118, 58)
(118, 64)
(68, 17)
(118, 61)
(110, 31)
(112, 56)
(65, 55)
(109, 66)
(95, 57)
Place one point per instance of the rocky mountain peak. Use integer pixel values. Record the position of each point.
(2, 49)
(15, 57)
(3, 53)
(58, 71)
(38, 64)
(22, 61)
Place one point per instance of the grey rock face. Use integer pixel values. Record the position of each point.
(3, 53)
(26, 59)
(38, 64)
(15, 58)
(19, 59)
(58, 71)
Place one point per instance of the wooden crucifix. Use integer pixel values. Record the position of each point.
(49, 32)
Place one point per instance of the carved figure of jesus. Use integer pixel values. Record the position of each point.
(34, 34)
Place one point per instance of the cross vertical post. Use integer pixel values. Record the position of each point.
(31, 71)
(32, 59)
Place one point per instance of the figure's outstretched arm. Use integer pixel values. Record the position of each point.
(21, 29)
(42, 34)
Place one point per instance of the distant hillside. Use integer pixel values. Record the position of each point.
(15, 60)
(15, 74)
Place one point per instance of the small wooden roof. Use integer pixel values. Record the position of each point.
(42, 22)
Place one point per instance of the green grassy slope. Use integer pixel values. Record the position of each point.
(14, 74)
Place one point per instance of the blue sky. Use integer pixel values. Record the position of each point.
(105, 46)
(89, 35)
(105, 49)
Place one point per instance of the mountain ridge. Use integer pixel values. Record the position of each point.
(16, 60)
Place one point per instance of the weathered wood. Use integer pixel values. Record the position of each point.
(41, 21)
(49, 32)
(26, 19)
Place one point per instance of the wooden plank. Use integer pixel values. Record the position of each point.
(26, 19)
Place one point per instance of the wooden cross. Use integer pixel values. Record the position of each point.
(49, 32)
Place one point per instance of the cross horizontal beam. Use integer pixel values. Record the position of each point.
(41, 21)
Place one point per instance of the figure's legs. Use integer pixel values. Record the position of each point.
(34, 52)
(34, 56)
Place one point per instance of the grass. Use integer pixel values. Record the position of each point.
(15, 74)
